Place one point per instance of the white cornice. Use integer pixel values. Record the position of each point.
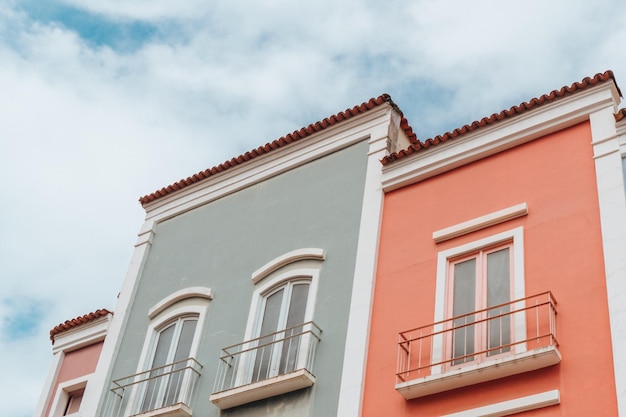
(274, 163)
(500, 136)
(83, 335)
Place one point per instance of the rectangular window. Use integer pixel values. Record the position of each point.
(479, 284)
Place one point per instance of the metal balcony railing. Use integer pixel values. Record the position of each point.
(495, 332)
(268, 356)
(159, 388)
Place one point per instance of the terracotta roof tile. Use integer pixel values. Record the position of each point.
(620, 115)
(279, 143)
(504, 114)
(78, 321)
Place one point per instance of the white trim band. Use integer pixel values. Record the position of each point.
(518, 405)
(287, 258)
(481, 222)
(200, 292)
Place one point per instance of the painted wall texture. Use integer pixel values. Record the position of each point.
(563, 253)
(219, 245)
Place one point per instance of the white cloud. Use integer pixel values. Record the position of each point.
(85, 130)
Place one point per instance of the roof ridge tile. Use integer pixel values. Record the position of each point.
(289, 138)
(513, 111)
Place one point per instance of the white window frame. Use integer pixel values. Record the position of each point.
(184, 303)
(269, 278)
(516, 236)
(62, 395)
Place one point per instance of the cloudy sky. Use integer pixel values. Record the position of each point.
(102, 101)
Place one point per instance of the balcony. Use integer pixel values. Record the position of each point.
(484, 345)
(267, 366)
(164, 391)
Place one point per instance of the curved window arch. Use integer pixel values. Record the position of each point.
(281, 312)
(167, 368)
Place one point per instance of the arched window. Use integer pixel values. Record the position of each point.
(282, 317)
(167, 368)
(171, 351)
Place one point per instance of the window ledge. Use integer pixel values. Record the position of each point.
(174, 410)
(482, 372)
(271, 387)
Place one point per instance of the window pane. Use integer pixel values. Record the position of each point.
(73, 403)
(183, 350)
(464, 301)
(291, 345)
(164, 344)
(269, 325)
(498, 292)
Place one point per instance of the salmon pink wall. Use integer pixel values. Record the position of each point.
(555, 176)
(75, 364)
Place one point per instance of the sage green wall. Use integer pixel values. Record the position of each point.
(220, 244)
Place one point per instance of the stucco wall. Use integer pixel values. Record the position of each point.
(220, 244)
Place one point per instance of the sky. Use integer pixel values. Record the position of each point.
(104, 101)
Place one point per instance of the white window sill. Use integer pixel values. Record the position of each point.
(480, 372)
(271, 387)
(175, 410)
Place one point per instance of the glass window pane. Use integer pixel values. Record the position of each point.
(269, 325)
(498, 292)
(174, 386)
(164, 343)
(463, 302)
(291, 345)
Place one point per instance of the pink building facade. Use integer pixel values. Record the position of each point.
(76, 347)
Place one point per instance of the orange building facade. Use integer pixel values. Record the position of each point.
(491, 290)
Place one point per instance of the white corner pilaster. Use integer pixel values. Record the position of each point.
(96, 390)
(612, 202)
(47, 393)
(357, 335)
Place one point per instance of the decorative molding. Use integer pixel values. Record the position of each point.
(287, 258)
(498, 137)
(518, 405)
(481, 222)
(200, 292)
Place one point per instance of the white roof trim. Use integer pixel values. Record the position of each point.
(200, 292)
(281, 160)
(500, 136)
(85, 334)
(287, 258)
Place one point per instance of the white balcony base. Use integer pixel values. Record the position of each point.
(267, 388)
(480, 372)
(175, 410)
